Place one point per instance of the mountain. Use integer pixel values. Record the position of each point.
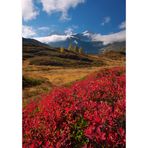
(91, 43)
(83, 40)
(37, 53)
(117, 46)
(86, 40)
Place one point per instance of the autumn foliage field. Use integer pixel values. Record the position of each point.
(88, 114)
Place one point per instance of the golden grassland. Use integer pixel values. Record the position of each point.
(54, 76)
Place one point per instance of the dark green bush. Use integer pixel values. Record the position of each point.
(29, 82)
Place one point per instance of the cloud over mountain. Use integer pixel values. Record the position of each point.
(106, 39)
(52, 38)
(110, 38)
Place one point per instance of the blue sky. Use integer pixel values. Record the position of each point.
(45, 17)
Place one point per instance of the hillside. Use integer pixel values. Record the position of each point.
(33, 42)
(38, 53)
(45, 67)
(117, 46)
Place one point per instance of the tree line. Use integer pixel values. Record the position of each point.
(73, 48)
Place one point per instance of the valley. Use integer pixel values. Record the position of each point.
(45, 68)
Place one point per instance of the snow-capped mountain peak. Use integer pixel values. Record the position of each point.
(86, 33)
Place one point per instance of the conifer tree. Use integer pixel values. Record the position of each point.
(61, 49)
(80, 50)
(70, 47)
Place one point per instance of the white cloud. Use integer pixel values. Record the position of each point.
(52, 38)
(111, 38)
(28, 32)
(68, 31)
(43, 28)
(87, 34)
(106, 20)
(106, 39)
(75, 26)
(51, 6)
(122, 25)
(29, 11)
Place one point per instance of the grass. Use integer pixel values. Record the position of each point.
(34, 86)
(60, 76)
(45, 68)
(65, 62)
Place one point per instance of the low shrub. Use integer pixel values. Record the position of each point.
(89, 114)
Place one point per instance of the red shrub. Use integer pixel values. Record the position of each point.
(91, 113)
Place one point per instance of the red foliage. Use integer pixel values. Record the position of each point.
(91, 113)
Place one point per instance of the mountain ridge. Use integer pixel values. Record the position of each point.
(84, 40)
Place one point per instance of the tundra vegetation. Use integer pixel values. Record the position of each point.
(73, 100)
